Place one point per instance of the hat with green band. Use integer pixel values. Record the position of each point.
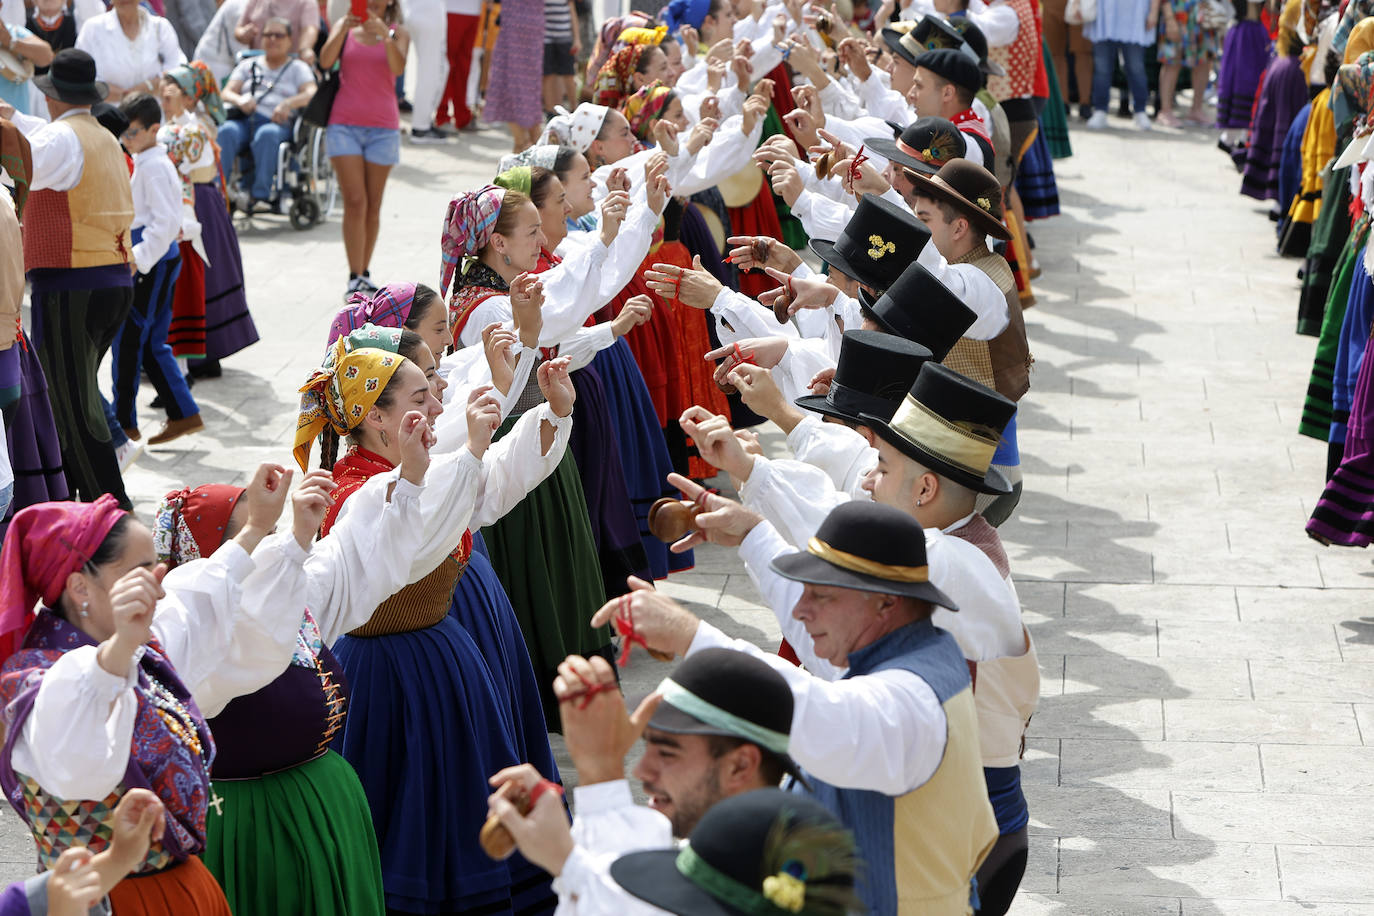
(763, 853)
(730, 693)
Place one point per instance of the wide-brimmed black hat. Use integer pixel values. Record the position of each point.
(730, 693)
(877, 243)
(956, 66)
(970, 187)
(934, 32)
(71, 79)
(761, 852)
(923, 147)
(922, 309)
(951, 425)
(874, 372)
(868, 547)
(902, 43)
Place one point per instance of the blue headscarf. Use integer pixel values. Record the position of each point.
(685, 12)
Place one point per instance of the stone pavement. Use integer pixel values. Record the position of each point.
(1208, 671)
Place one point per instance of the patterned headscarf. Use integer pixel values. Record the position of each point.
(1355, 12)
(17, 162)
(1361, 40)
(197, 81)
(545, 156)
(646, 106)
(577, 129)
(615, 79)
(641, 36)
(388, 307)
(607, 39)
(520, 178)
(377, 337)
(45, 544)
(341, 392)
(191, 523)
(1351, 96)
(468, 226)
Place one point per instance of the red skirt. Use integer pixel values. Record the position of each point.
(655, 347)
(187, 889)
(186, 334)
(757, 218)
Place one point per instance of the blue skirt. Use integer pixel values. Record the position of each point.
(428, 723)
(643, 451)
(1359, 313)
(30, 433)
(228, 325)
(1035, 180)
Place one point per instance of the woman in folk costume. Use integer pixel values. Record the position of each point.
(35, 456)
(192, 112)
(427, 721)
(1316, 152)
(612, 517)
(105, 692)
(1245, 55)
(543, 550)
(1282, 93)
(291, 830)
(627, 71)
(639, 437)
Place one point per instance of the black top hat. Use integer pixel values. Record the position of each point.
(959, 68)
(951, 425)
(867, 547)
(874, 373)
(921, 308)
(766, 851)
(923, 147)
(71, 79)
(971, 188)
(730, 693)
(877, 243)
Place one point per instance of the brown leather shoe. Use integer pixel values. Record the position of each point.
(175, 429)
(132, 433)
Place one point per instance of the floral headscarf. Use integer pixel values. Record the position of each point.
(520, 179)
(545, 156)
(615, 79)
(341, 392)
(607, 40)
(578, 128)
(374, 336)
(1354, 89)
(646, 106)
(388, 307)
(197, 81)
(190, 523)
(468, 226)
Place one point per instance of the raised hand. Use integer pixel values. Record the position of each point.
(557, 386)
(694, 286)
(613, 210)
(812, 293)
(499, 344)
(725, 521)
(691, 41)
(598, 729)
(700, 136)
(265, 497)
(868, 181)
(715, 440)
(75, 885)
(710, 107)
(803, 126)
(787, 182)
(665, 135)
(754, 252)
(722, 50)
(618, 180)
(854, 55)
(133, 601)
(758, 390)
(542, 833)
(657, 192)
(762, 351)
(638, 310)
(821, 381)
(665, 625)
(484, 416)
(527, 305)
(140, 819)
(312, 500)
(416, 439)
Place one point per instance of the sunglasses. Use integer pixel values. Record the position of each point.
(275, 35)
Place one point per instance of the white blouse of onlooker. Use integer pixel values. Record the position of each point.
(123, 63)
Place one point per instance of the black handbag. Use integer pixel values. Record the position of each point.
(316, 111)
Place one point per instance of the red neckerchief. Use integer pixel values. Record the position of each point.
(968, 121)
(356, 468)
(49, 28)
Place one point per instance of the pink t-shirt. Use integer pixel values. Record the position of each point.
(367, 87)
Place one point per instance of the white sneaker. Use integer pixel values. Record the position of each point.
(1142, 121)
(127, 453)
(1098, 121)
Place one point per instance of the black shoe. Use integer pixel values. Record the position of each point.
(203, 368)
(431, 135)
(405, 106)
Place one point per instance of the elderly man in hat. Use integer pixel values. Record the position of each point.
(716, 728)
(78, 258)
(891, 746)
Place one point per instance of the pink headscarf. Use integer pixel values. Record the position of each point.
(45, 544)
(389, 307)
(468, 226)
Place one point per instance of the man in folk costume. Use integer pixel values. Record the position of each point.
(945, 85)
(77, 255)
(962, 205)
(891, 746)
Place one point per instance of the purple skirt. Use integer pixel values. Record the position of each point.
(1283, 95)
(30, 434)
(228, 325)
(514, 88)
(1246, 53)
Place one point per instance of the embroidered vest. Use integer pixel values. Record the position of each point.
(1004, 362)
(923, 848)
(1020, 58)
(87, 226)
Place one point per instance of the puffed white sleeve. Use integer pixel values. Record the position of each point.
(793, 496)
(842, 454)
(694, 79)
(821, 216)
(75, 741)
(452, 486)
(572, 291)
(974, 288)
(583, 346)
(803, 360)
(883, 102)
(366, 557)
(893, 725)
(492, 310)
(746, 317)
(998, 23)
(465, 371)
(628, 250)
(516, 465)
(608, 824)
(228, 624)
(826, 187)
(728, 152)
(839, 100)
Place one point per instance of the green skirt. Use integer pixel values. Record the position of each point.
(544, 554)
(1330, 232)
(299, 841)
(1316, 409)
(1053, 121)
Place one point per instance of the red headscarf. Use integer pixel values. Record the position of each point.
(190, 524)
(45, 544)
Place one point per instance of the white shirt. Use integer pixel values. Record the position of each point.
(996, 21)
(127, 63)
(58, 159)
(156, 191)
(974, 288)
(608, 825)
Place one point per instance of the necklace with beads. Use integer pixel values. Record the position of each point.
(174, 715)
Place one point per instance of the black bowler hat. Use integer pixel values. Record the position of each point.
(766, 851)
(71, 79)
(867, 547)
(730, 693)
(933, 33)
(974, 190)
(951, 425)
(955, 66)
(874, 372)
(921, 308)
(877, 243)
(923, 147)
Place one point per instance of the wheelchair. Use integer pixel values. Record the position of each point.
(303, 185)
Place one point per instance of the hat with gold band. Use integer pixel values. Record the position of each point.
(869, 548)
(950, 425)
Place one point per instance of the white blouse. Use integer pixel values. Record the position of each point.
(126, 63)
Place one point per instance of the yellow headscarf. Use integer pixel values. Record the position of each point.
(341, 392)
(1289, 19)
(638, 36)
(1361, 40)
